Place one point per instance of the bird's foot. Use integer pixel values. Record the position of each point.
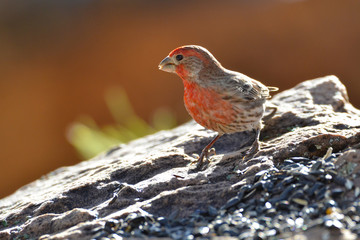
(203, 158)
(255, 147)
(205, 153)
(211, 152)
(265, 145)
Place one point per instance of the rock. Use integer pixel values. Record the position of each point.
(322, 118)
(154, 174)
(349, 162)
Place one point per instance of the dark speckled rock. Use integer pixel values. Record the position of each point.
(153, 178)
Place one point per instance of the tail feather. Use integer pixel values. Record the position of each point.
(272, 89)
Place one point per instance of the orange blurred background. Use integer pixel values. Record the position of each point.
(58, 58)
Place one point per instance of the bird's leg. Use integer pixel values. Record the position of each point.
(205, 151)
(254, 147)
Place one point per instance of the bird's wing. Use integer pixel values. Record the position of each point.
(240, 87)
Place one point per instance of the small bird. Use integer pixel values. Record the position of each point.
(219, 99)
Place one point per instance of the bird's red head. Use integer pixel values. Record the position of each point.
(188, 61)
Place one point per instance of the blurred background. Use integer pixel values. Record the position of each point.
(75, 73)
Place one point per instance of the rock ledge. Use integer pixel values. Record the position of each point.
(153, 175)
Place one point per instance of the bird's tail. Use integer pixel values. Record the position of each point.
(272, 89)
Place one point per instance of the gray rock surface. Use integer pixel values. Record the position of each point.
(154, 174)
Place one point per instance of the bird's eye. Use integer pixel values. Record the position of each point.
(179, 57)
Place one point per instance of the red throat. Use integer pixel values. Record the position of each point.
(182, 72)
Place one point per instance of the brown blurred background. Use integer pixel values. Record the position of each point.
(58, 58)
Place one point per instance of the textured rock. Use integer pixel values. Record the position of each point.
(154, 174)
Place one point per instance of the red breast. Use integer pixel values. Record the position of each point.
(207, 107)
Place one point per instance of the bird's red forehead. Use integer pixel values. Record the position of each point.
(186, 52)
(183, 51)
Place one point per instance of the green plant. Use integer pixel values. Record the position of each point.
(89, 139)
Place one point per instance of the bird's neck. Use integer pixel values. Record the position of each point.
(202, 77)
(184, 74)
(189, 85)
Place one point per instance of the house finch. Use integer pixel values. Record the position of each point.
(217, 98)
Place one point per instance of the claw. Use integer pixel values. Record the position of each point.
(205, 152)
(200, 160)
(212, 151)
(195, 155)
